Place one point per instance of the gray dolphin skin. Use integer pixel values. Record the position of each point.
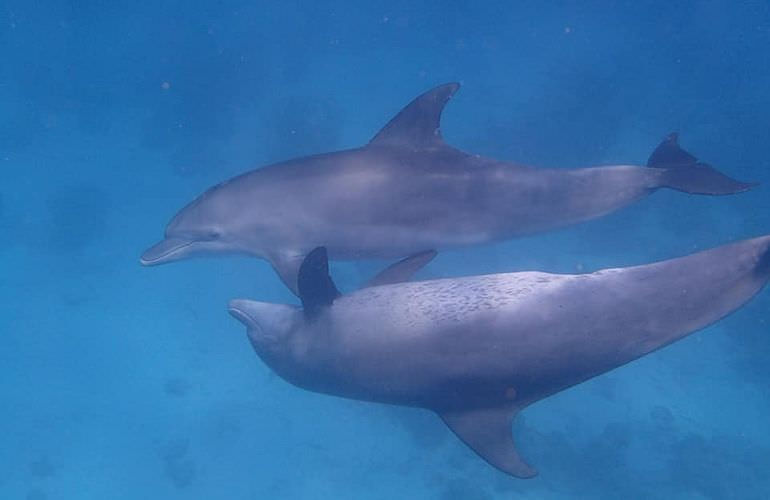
(477, 350)
(407, 191)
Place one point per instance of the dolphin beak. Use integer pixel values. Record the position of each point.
(167, 250)
(239, 309)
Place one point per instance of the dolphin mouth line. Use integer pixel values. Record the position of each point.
(240, 315)
(250, 322)
(159, 259)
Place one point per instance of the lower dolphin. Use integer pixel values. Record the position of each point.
(407, 191)
(477, 350)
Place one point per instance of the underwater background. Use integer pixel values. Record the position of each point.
(124, 382)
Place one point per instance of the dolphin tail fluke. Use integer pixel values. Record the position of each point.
(487, 431)
(702, 178)
(683, 172)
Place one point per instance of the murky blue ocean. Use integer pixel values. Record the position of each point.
(124, 382)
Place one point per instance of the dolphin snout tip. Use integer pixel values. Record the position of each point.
(237, 309)
(151, 258)
(143, 260)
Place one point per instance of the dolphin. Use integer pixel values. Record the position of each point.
(477, 350)
(406, 192)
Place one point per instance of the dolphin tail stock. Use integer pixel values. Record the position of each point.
(684, 172)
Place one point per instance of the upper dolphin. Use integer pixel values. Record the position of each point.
(479, 349)
(407, 191)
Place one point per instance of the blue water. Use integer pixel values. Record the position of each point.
(123, 382)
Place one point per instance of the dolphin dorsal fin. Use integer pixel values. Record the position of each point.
(417, 126)
(402, 270)
(487, 431)
(315, 286)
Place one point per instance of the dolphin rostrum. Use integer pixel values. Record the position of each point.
(407, 191)
(477, 350)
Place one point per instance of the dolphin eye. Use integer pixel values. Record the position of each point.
(212, 235)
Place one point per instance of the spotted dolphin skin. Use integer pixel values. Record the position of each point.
(407, 191)
(477, 350)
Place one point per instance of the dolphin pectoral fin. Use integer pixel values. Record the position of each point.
(315, 286)
(402, 270)
(684, 172)
(418, 124)
(487, 431)
(287, 266)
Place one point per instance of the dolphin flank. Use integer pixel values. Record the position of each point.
(407, 192)
(479, 349)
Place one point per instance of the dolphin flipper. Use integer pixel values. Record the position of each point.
(683, 171)
(487, 431)
(315, 286)
(287, 266)
(402, 270)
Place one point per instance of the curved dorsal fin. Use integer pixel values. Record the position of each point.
(418, 125)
